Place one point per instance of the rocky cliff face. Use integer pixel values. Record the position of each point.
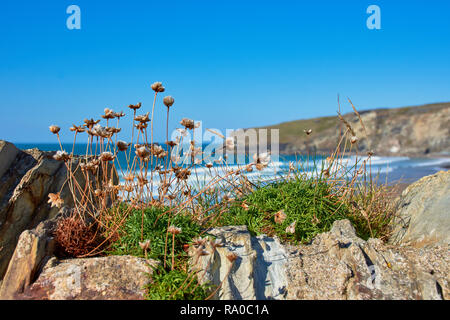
(413, 131)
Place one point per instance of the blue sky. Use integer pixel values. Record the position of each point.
(231, 64)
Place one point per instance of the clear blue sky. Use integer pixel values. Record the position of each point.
(232, 64)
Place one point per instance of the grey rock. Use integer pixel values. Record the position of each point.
(335, 265)
(423, 212)
(103, 278)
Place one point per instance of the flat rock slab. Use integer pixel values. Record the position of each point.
(104, 278)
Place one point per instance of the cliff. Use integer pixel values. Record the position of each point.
(415, 131)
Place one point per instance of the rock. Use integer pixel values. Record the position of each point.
(33, 249)
(103, 278)
(336, 265)
(258, 273)
(8, 153)
(423, 212)
(26, 180)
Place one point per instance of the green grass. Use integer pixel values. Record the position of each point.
(175, 285)
(165, 283)
(156, 222)
(306, 201)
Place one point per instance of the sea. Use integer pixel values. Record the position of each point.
(391, 170)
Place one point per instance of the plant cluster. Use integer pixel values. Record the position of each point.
(161, 207)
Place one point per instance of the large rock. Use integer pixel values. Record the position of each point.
(423, 212)
(336, 265)
(258, 272)
(103, 278)
(34, 248)
(26, 179)
(339, 265)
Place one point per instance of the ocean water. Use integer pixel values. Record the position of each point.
(390, 169)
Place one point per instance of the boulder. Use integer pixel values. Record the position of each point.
(26, 179)
(338, 265)
(423, 212)
(335, 265)
(257, 273)
(102, 278)
(33, 249)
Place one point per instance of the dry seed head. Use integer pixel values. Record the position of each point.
(141, 126)
(291, 227)
(122, 145)
(280, 216)
(143, 152)
(55, 200)
(187, 123)
(353, 139)
(54, 129)
(308, 132)
(143, 118)
(182, 174)
(157, 87)
(77, 129)
(229, 143)
(61, 156)
(135, 106)
(168, 101)
(171, 143)
(144, 245)
(109, 114)
(90, 123)
(106, 156)
(174, 230)
(209, 165)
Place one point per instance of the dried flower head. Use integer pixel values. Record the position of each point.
(135, 106)
(187, 123)
(90, 123)
(158, 87)
(370, 153)
(55, 200)
(61, 156)
(308, 132)
(183, 174)
(353, 139)
(77, 129)
(144, 245)
(168, 101)
(106, 156)
(129, 177)
(174, 230)
(109, 114)
(280, 216)
(229, 143)
(209, 165)
(54, 129)
(122, 145)
(171, 143)
(141, 126)
(143, 152)
(143, 118)
(291, 227)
